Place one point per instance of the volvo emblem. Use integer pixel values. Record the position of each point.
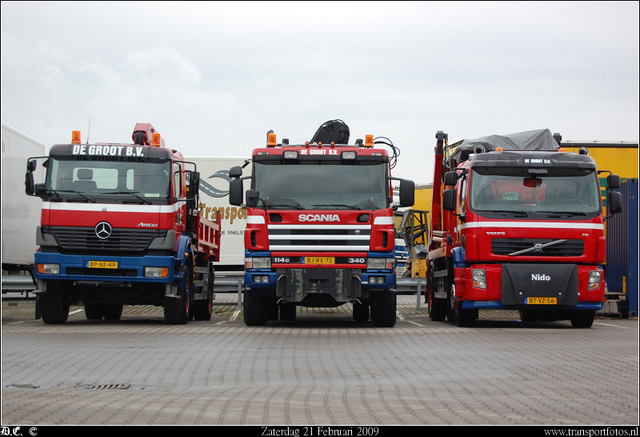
(538, 247)
(103, 230)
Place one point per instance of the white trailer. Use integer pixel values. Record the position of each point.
(20, 213)
(214, 199)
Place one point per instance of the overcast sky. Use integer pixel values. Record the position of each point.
(214, 77)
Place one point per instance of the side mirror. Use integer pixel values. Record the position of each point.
(252, 198)
(613, 181)
(614, 203)
(407, 193)
(235, 192)
(450, 178)
(235, 172)
(29, 186)
(194, 187)
(449, 199)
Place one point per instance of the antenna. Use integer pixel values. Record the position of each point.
(88, 130)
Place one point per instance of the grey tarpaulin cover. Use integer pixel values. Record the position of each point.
(541, 139)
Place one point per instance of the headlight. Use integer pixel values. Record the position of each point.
(290, 155)
(380, 263)
(348, 155)
(49, 269)
(258, 263)
(594, 279)
(156, 272)
(479, 278)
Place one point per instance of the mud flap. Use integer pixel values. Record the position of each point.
(522, 281)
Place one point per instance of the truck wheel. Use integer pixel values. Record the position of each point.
(460, 317)
(112, 311)
(437, 307)
(93, 311)
(202, 308)
(288, 312)
(528, 315)
(464, 318)
(583, 319)
(360, 312)
(255, 310)
(176, 308)
(383, 310)
(53, 308)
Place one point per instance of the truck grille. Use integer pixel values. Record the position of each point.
(507, 246)
(121, 242)
(319, 238)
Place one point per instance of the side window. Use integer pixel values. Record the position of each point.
(177, 181)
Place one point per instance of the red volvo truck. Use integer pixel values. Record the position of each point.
(120, 225)
(320, 228)
(517, 223)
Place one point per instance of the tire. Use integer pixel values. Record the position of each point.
(176, 309)
(202, 309)
(53, 308)
(437, 307)
(459, 316)
(255, 310)
(583, 319)
(528, 315)
(288, 312)
(112, 311)
(383, 310)
(360, 312)
(93, 311)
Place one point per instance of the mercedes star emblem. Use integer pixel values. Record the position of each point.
(103, 230)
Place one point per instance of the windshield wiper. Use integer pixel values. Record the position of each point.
(504, 212)
(133, 193)
(56, 192)
(339, 205)
(553, 214)
(284, 206)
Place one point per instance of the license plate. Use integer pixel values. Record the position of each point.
(540, 300)
(319, 260)
(102, 264)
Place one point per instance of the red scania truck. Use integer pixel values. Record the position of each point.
(516, 224)
(320, 228)
(120, 225)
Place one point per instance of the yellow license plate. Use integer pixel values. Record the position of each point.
(102, 264)
(319, 260)
(541, 301)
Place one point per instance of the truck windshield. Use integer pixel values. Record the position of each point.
(120, 181)
(321, 185)
(550, 193)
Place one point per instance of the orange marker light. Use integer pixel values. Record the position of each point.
(561, 150)
(368, 141)
(75, 137)
(498, 149)
(155, 139)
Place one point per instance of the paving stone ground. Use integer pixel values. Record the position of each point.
(322, 369)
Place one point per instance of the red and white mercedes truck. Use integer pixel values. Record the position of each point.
(120, 225)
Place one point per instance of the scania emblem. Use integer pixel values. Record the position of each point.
(103, 230)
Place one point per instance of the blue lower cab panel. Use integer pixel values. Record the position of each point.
(105, 268)
(497, 305)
